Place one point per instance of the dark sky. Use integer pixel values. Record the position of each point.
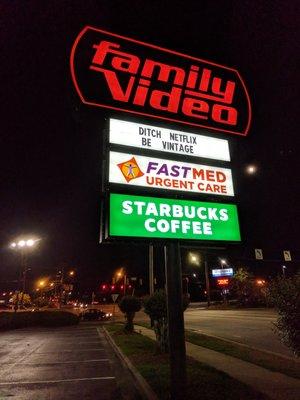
(51, 143)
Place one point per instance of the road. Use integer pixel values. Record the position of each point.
(252, 327)
(59, 364)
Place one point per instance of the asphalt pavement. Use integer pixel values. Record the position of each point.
(61, 364)
(253, 327)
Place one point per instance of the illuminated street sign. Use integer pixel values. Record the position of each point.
(222, 272)
(167, 140)
(154, 173)
(152, 217)
(120, 73)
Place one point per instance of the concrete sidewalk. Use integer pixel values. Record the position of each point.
(275, 385)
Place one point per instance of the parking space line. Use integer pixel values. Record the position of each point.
(68, 351)
(62, 362)
(96, 378)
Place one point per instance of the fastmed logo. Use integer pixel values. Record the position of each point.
(130, 169)
(120, 73)
(157, 173)
(151, 217)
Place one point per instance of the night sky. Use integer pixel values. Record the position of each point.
(51, 145)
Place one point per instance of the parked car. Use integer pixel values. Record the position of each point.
(92, 314)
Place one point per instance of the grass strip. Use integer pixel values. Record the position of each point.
(258, 357)
(204, 382)
(269, 361)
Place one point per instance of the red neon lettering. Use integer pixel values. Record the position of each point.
(182, 89)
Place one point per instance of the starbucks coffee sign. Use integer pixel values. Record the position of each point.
(152, 217)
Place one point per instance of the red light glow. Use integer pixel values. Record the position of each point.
(223, 282)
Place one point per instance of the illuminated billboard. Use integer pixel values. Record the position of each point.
(152, 217)
(119, 73)
(167, 140)
(155, 173)
(222, 272)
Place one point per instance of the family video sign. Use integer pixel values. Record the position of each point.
(120, 73)
(151, 217)
(167, 140)
(156, 173)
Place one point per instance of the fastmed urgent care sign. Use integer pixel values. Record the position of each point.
(152, 217)
(155, 173)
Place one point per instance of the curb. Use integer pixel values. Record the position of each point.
(140, 383)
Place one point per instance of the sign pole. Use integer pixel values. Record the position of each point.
(151, 276)
(175, 321)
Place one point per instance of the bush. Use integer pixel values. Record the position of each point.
(129, 305)
(156, 307)
(285, 295)
(9, 320)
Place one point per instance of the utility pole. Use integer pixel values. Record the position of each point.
(207, 280)
(61, 286)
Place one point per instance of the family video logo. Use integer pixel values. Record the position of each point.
(119, 73)
(130, 169)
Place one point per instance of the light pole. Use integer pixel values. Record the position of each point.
(22, 245)
(223, 262)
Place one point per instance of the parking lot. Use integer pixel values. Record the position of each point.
(59, 363)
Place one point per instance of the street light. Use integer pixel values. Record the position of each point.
(251, 169)
(21, 245)
(223, 262)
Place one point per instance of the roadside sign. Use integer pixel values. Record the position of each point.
(155, 173)
(222, 272)
(152, 217)
(259, 254)
(287, 255)
(114, 297)
(120, 73)
(152, 137)
(223, 281)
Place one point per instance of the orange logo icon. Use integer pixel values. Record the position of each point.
(130, 169)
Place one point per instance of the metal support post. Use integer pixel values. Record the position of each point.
(175, 321)
(151, 274)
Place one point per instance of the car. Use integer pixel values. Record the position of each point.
(91, 314)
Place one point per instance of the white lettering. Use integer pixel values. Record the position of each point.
(147, 225)
(163, 225)
(224, 214)
(151, 209)
(207, 228)
(127, 207)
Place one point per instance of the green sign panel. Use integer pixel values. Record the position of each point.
(152, 217)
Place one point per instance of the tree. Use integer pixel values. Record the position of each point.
(129, 305)
(21, 298)
(247, 290)
(156, 307)
(285, 295)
